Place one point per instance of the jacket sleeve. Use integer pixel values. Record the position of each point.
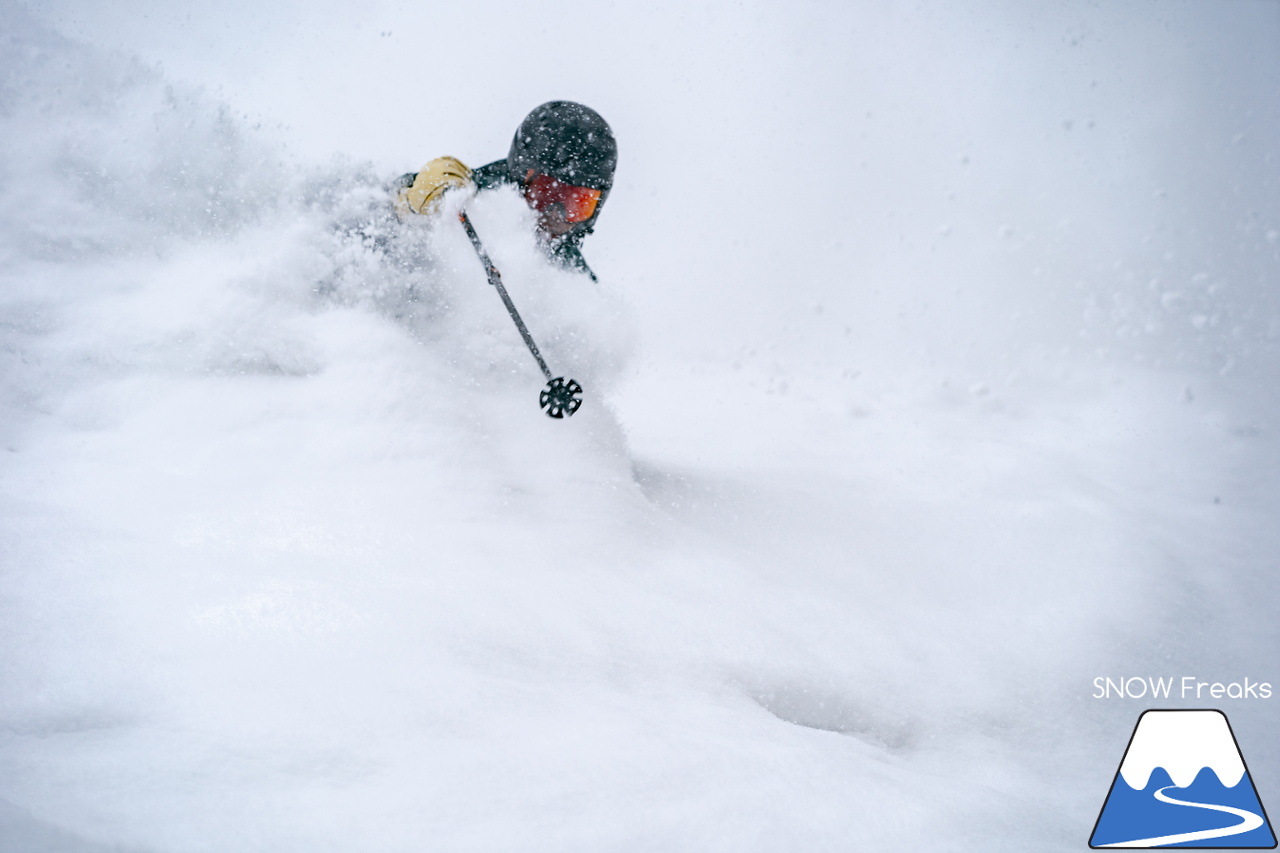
(491, 175)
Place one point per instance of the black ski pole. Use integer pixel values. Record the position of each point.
(560, 398)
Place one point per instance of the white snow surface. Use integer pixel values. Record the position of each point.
(1183, 743)
(931, 375)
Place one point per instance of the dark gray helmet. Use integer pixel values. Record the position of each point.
(568, 141)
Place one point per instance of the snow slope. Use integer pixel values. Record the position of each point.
(861, 500)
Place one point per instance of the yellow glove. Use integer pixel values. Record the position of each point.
(442, 173)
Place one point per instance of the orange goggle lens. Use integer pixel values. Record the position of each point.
(544, 192)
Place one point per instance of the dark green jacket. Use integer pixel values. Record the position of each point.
(566, 250)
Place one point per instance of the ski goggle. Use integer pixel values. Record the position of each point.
(544, 192)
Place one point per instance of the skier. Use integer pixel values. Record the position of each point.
(562, 160)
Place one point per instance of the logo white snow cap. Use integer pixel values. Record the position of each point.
(1183, 743)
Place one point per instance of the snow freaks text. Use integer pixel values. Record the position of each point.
(1186, 687)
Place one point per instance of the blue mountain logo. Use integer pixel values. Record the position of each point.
(1183, 783)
